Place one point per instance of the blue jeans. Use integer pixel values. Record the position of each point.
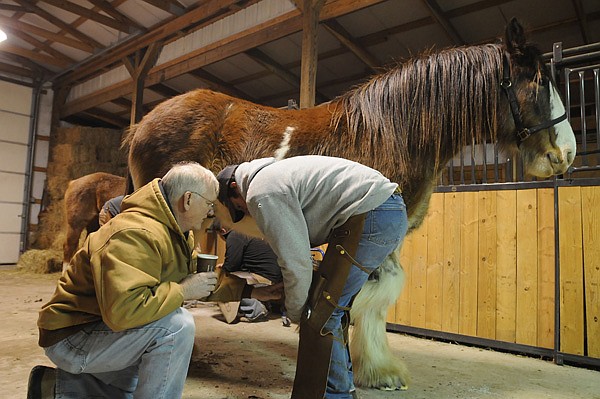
(385, 228)
(149, 361)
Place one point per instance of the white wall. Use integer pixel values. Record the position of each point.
(15, 120)
(15, 110)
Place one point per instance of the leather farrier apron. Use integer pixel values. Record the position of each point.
(315, 346)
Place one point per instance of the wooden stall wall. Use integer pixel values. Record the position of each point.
(579, 238)
(483, 265)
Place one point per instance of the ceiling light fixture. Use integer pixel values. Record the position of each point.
(3, 36)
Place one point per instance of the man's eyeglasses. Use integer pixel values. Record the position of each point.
(209, 203)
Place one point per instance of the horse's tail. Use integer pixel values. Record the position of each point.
(127, 137)
(125, 147)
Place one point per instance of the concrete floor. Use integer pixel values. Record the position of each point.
(257, 361)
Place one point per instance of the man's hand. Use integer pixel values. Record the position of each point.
(268, 292)
(198, 285)
(104, 217)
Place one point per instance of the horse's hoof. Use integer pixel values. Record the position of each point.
(400, 388)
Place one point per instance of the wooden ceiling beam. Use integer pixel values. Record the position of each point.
(164, 90)
(289, 65)
(91, 15)
(16, 70)
(29, 4)
(474, 7)
(209, 11)
(34, 56)
(167, 6)
(441, 19)
(51, 36)
(381, 36)
(11, 7)
(290, 93)
(266, 32)
(107, 117)
(27, 63)
(272, 66)
(123, 103)
(215, 83)
(40, 46)
(344, 37)
(105, 6)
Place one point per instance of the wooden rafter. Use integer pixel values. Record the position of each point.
(16, 70)
(35, 56)
(276, 68)
(215, 83)
(271, 30)
(90, 14)
(12, 7)
(60, 24)
(215, 8)
(168, 6)
(164, 90)
(441, 19)
(50, 36)
(349, 42)
(107, 117)
(41, 46)
(113, 12)
(27, 63)
(123, 102)
(273, 66)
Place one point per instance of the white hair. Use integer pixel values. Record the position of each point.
(189, 176)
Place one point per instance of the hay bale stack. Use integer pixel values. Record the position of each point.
(41, 261)
(74, 152)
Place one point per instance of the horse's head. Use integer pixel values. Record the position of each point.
(538, 124)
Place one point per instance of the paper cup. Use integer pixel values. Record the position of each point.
(206, 263)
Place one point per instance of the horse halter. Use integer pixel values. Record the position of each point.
(522, 132)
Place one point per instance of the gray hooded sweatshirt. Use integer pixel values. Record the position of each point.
(297, 202)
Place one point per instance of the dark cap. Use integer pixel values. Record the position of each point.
(225, 178)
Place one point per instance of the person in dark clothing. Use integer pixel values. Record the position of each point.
(110, 209)
(253, 255)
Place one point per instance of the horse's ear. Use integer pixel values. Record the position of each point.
(515, 37)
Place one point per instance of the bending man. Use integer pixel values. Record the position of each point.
(307, 201)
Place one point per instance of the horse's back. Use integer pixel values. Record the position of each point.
(211, 128)
(88, 193)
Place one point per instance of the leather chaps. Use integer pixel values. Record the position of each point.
(315, 346)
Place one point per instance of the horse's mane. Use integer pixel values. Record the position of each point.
(429, 106)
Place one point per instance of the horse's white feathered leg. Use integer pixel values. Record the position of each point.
(374, 365)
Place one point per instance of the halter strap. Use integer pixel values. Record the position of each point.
(522, 132)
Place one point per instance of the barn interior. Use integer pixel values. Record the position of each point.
(74, 75)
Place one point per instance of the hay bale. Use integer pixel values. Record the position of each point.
(51, 230)
(74, 152)
(70, 135)
(41, 261)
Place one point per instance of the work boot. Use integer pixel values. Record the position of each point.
(41, 383)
